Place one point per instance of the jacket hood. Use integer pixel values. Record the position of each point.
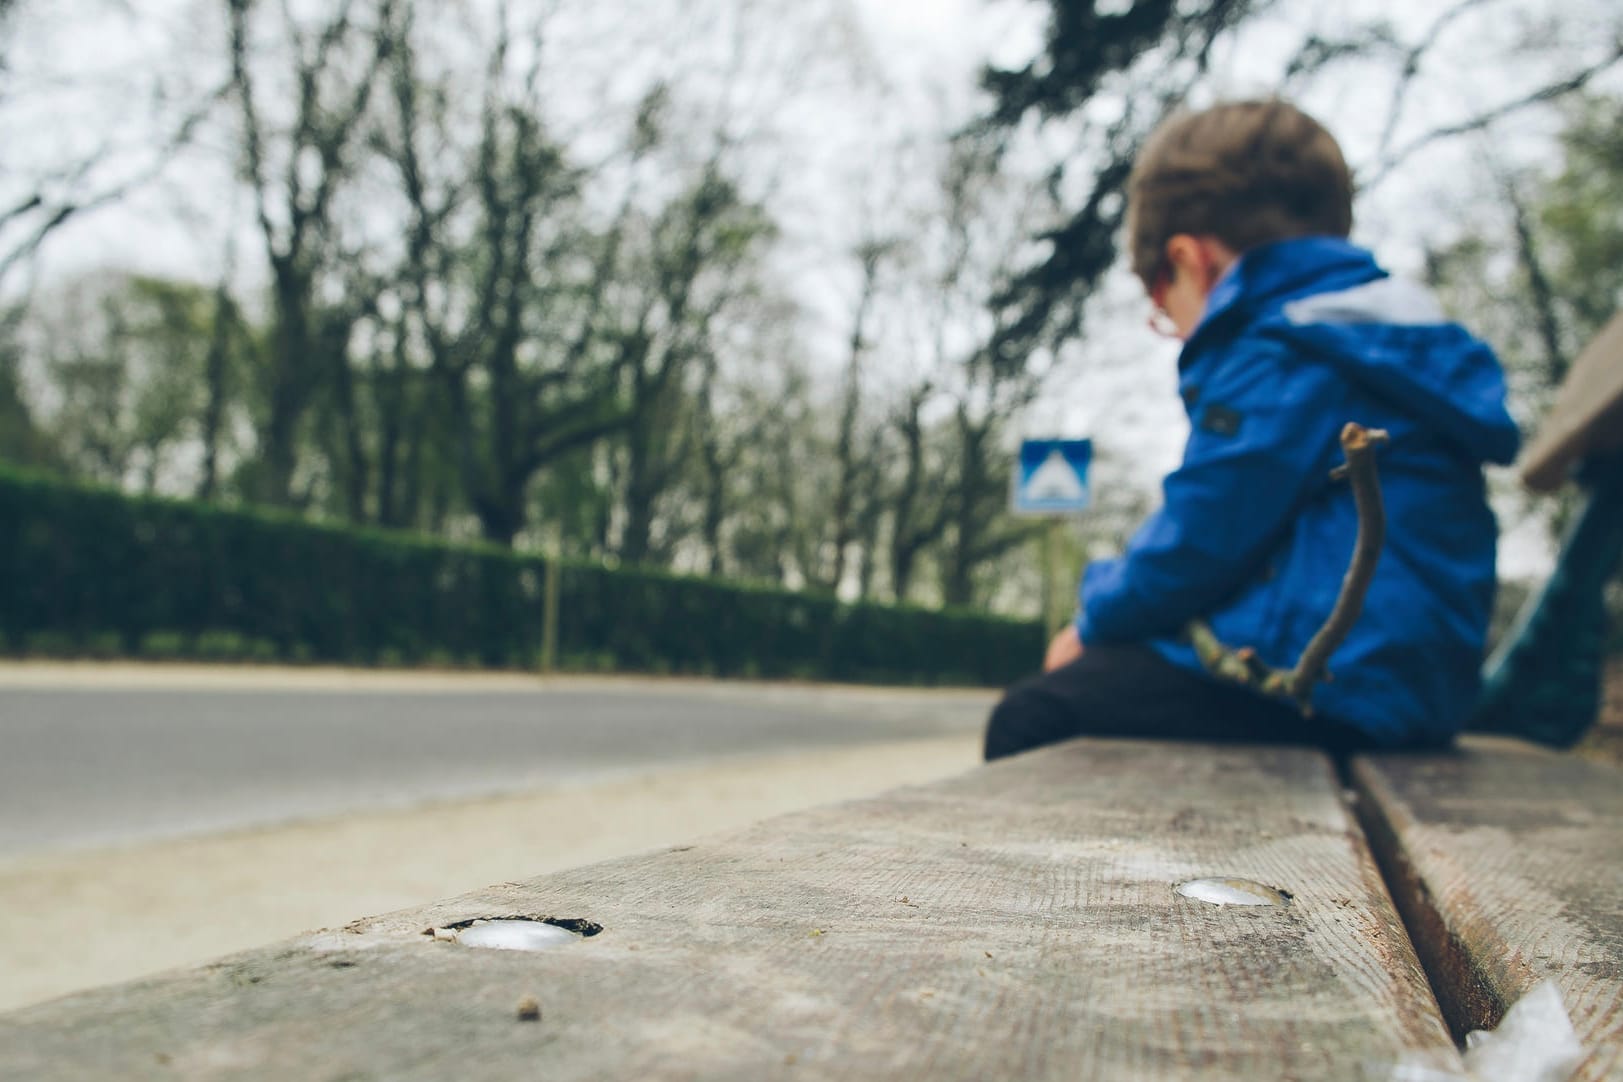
(1328, 298)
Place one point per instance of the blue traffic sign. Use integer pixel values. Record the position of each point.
(1051, 477)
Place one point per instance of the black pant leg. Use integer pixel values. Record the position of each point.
(1131, 691)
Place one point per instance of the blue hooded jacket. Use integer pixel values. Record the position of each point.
(1298, 338)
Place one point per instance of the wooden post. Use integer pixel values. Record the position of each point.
(549, 616)
(1053, 610)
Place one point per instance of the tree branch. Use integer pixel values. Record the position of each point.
(1358, 444)
(59, 214)
(253, 138)
(1550, 92)
(1411, 68)
(1242, 665)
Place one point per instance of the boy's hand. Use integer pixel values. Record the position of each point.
(1066, 648)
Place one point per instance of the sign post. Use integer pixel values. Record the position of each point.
(1051, 480)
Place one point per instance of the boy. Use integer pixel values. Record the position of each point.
(1237, 224)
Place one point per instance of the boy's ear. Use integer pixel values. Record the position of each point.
(1183, 254)
(1204, 258)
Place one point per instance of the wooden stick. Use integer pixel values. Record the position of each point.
(1358, 444)
(1242, 665)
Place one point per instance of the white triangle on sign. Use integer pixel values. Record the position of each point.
(1055, 480)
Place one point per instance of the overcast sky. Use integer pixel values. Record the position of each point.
(927, 51)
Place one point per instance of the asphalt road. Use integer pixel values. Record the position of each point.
(82, 768)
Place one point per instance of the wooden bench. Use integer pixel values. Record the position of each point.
(1507, 864)
(1020, 921)
(1544, 681)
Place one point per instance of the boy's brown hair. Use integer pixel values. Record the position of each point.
(1247, 173)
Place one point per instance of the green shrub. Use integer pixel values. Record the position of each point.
(102, 645)
(164, 646)
(49, 644)
(85, 570)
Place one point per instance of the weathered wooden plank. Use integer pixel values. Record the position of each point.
(1587, 415)
(1507, 863)
(1018, 922)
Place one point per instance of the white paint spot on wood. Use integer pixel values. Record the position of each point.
(1232, 892)
(515, 935)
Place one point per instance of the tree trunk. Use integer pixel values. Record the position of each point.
(502, 516)
(214, 376)
(357, 468)
(391, 407)
(844, 528)
(912, 528)
(640, 490)
(289, 394)
(1542, 293)
(715, 467)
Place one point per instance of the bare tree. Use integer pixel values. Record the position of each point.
(509, 310)
(918, 511)
(295, 176)
(854, 464)
(748, 405)
(954, 421)
(699, 249)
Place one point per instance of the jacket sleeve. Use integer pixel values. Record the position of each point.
(1263, 436)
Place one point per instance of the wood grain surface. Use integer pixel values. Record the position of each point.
(1507, 862)
(1020, 921)
(1587, 415)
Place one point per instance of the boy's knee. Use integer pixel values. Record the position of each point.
(1028, 717)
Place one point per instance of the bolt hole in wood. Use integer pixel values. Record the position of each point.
(516, 933)
(1233, 892)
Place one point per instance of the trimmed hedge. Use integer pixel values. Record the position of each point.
(85, 570)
